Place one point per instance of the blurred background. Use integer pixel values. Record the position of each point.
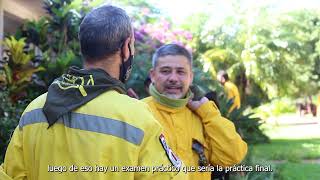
(270, 49)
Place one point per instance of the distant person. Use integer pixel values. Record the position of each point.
(195, 128)
(312, 108)
(230, 89)
(87, 120)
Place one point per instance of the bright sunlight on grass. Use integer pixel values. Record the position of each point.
(293, 150)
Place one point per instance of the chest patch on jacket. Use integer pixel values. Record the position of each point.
(172, 157)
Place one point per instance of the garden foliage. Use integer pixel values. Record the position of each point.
(42, 50)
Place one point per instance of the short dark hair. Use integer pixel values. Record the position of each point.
(173, 50)
(223, 74)
(103, 32)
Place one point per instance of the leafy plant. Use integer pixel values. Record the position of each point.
(35, 32)
(276, 107)
(250, 162)
(9, 118)
(55, 37)
(56, 68)
(16, 50)
(63, 24)
(247, 125)
(18, 68)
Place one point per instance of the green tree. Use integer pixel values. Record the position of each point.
(276, 54)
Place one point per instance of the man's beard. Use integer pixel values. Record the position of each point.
(174, 96)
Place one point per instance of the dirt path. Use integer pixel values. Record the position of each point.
(293, 119)
(292, 126)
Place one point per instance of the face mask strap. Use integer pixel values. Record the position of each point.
(125, 68)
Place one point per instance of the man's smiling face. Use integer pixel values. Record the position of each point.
(172, 76)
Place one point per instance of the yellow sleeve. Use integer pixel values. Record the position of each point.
(13, 164)
(153, 154)
(225, 144)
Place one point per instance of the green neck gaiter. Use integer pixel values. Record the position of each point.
(164, 100)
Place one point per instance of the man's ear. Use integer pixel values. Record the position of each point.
(152, 74)
(125, 49)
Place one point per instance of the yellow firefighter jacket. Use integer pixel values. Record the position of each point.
(233, 93)
(110, 137)
(223, 145)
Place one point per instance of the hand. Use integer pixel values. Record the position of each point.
(194, 105)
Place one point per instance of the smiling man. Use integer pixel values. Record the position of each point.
(175, 86)
(195, 129)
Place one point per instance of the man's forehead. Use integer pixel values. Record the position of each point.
(174, 61)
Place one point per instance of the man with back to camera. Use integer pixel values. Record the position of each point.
(84, 123)
(230, 88)
(195, 129)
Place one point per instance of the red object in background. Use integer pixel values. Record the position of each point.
(307, 107)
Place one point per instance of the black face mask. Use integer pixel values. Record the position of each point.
(125, 68)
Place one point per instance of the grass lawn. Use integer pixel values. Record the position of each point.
(298, 171)
(293, 153)
(289, 158)
(306, 131)
(293, 150)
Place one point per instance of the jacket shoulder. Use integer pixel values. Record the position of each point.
(36, 103)
(147, 100)
(130, 103)
(120, 107)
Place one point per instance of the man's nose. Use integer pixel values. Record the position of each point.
(173, 77)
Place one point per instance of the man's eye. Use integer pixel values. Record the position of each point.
(181, 72)
(164, 71)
